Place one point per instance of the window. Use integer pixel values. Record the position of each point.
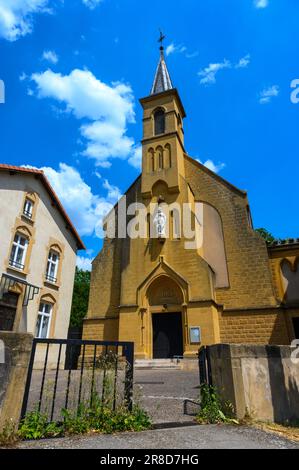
(28, 208)
(43, 320)
(52, 266)
(159, 122)
(18, 252)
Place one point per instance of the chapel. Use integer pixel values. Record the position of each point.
(180, 285)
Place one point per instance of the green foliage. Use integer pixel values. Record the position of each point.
(80, 297)
(94, 416)
(212, 411)
(103, 419)
(267, 236)
(35, 425)
(9, 435)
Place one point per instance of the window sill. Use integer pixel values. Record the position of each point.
(20, 271)
(27, 219)
(52, 285)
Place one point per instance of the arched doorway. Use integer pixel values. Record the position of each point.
(165, 299)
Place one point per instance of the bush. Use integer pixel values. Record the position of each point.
(212, 411)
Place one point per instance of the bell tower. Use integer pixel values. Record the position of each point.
(163, 134)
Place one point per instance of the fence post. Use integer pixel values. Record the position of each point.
(13, 374)
(129, 355)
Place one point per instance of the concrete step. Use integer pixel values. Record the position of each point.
(157, 364)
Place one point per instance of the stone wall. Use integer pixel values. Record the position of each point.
(264, 326)
(13, 374)
(260, 381)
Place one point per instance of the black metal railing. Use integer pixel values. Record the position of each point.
(51, 278)
(104, 372)
(27, 214)
(16, 264)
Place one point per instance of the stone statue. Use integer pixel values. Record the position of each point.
(160, 223)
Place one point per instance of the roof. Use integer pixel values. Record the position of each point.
(215, 176)
(289, 243)
(17, 169)
(162, 80)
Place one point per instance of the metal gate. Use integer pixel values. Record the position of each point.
(204, 365)
(53, 385)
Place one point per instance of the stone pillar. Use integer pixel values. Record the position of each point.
(227, 377)
(14, 361)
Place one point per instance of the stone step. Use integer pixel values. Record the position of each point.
(157, 364)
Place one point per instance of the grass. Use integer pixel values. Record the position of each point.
(286, 431)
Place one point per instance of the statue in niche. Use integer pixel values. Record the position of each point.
(160, 223)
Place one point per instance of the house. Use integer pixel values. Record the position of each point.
(38, 248)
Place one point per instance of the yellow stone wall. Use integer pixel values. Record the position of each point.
(256, 326)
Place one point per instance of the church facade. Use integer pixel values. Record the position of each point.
(200, 274)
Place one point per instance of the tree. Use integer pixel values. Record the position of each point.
(267, 236)
(80, 297)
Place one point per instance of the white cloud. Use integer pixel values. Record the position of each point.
(113, 192)
(261, 3)
(209, 73)
(85, 209)
(136, 158)
(84, 263)
(244, 62)
(191, 55)
(216, 168)
(50, 56)
(267, 94)
(92, 4)
(106, 109)
(16, 17)
(172, 48)
(180, 49)
(23, 77)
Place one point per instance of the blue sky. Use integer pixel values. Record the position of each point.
(75, 69)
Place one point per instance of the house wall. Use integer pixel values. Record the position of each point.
(48, 228)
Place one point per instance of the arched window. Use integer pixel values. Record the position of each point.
(159, 122)
(160, 158)
(52, 266)
(151, 159)
(167, 156)
(20, 243)
(44, 317)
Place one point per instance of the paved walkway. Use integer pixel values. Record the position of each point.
(191, 437)
(167, 395)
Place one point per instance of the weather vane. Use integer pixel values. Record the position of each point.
(161, 38)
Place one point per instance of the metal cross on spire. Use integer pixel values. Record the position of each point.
(162, 81)
(161, 39)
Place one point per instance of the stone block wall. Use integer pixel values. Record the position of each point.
(260, 381)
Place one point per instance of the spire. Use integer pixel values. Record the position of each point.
(162, 81)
